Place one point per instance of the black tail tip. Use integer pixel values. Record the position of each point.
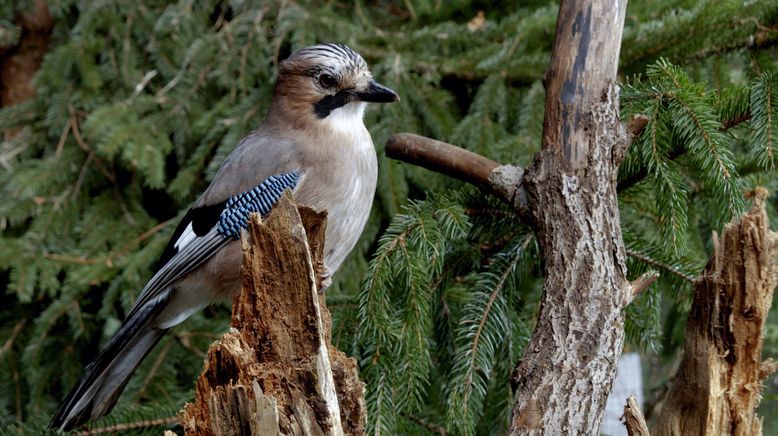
(64, 421)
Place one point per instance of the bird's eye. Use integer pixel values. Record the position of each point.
(327, 81)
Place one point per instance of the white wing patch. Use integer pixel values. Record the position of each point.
(186, 237)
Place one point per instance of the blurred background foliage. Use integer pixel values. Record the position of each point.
(139, 102)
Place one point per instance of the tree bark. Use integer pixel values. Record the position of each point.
(276, 371)
(19, 62)
(718, 386)
(502, 181)
(564, 377)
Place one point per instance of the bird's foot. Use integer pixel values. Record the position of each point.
(325, 276)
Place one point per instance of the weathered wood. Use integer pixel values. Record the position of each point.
(502, 181)
(440, 156)
(633, 418)
(565, 375)
(276, 372)
(718, 385)
(583, 67)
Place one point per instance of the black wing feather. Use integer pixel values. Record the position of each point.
(202, 218)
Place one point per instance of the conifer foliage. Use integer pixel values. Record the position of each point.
(138, 103)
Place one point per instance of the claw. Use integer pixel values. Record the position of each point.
(325, 276)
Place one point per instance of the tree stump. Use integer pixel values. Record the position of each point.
(719, 383)
(276, 371)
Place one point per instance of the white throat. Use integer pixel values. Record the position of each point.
(347, 118)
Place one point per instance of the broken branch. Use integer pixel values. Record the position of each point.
(502, 181)
(633, 418)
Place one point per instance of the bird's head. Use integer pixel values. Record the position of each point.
(327, 82)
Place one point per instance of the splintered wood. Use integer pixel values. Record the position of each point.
(276, 372)
(719, 384)
(633, 418)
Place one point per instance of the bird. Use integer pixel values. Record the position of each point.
(312, 141)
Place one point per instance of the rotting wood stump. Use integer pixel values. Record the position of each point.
(719, 383)
(276, 371)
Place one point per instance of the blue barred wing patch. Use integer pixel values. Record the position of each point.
(260, 199)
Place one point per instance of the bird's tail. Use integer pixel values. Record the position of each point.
(105, 378)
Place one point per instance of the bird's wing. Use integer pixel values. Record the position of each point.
(261, 154)
(205, 230)
(196, 223)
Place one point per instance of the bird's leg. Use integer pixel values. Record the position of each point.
(325, 276)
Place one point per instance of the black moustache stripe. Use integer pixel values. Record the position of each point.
(326, 105)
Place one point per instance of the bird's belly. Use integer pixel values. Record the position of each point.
(218, 279)
(348, 207)
(344, 226)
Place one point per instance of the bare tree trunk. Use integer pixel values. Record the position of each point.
(565, 374)
(718, 386)
(18, 63)
(276, 372)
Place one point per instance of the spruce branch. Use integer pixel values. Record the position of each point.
(137, 425)
(62, 138)
(109, 259)
(439, 429)
(765, 110)
(642, 283)
(12, 337)
(733, 119)
(72, 259)
(670, 194)
(396, 303)
(686, 34)
(721, 164)
(637, 129)
(659, 265)
(7, 156)
(84, 146)
(765, 37)
(480, 332)
(81, 175)
(736, 120)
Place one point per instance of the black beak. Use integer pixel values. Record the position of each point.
(377, 93)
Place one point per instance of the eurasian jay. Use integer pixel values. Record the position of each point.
(314, 142)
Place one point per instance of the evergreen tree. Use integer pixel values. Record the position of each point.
(138, 103)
